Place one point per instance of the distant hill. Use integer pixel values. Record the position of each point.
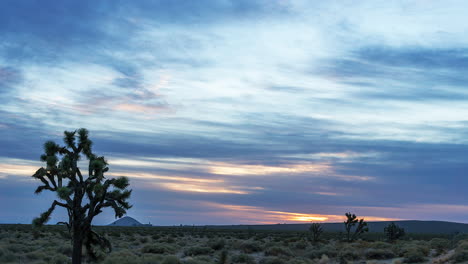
(410, 226)
(127, 221)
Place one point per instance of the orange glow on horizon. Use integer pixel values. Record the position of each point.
(259, 215)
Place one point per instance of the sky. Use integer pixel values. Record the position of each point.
(243, 111)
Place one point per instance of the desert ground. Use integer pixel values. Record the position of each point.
(199, 245)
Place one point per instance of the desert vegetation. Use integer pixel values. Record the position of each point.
(201, 245)
(83, 196)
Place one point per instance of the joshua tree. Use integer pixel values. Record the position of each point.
(316, 230)
(393, 232)
(351, 221)
(83, 197)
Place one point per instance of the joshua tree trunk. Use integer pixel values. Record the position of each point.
(77, 248)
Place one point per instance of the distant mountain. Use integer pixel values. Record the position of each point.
(127, 221)
(410, 226)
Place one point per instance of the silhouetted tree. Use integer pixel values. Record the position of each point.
(316, 230)
(394, 232)
(351, 221)
(83, 197)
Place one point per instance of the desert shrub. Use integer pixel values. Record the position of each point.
(194, 251)
(116, 259)
(149, 259)
(223, 257)
(414, 255)
(460, 256)
(462, 244)
(278, 251)
(272, 260)
(301, 261)
(170, 240)
(250, 246)
(421, 246)
(182, 243)
(66, 250)
(158, 249)
(199, 260)
(217, 244)
(60, 259)
(171, 260)
(458, 237)
(39, 255)
(300, 244)
(346, 255)
(461, 252)
(144, 239)
(6, 256)
(393, 232)
(373, 253)
(440, 244)
(327, 250)
(242, 258)
(380, 245)
(37, 234)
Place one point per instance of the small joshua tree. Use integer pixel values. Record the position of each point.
(351, 221)
(394, 232)
(316, 230)
(83, 197)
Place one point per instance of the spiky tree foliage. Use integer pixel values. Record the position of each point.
(316, 230)
(82, 196)
(394, 232)
(351, 221)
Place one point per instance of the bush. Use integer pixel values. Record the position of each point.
(440, 244)
(278, 251)
(242, 258)
(66, 250)
(60, 259)
(346, 255)
(158, 249)
(217, 244)
(301, 244)
(460, 256)
(194, 251)
(250, 247)
(199, 260)
(171, 260)
(149, 259)
(327, 250)
(394, 232)
(380, 245)
(463, 244)
(461, 252)
(301, 261)
(6, 256)
(414, 255)
(272, 260)
(409, 247)
(373, 253)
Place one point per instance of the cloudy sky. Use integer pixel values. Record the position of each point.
(243, 111)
